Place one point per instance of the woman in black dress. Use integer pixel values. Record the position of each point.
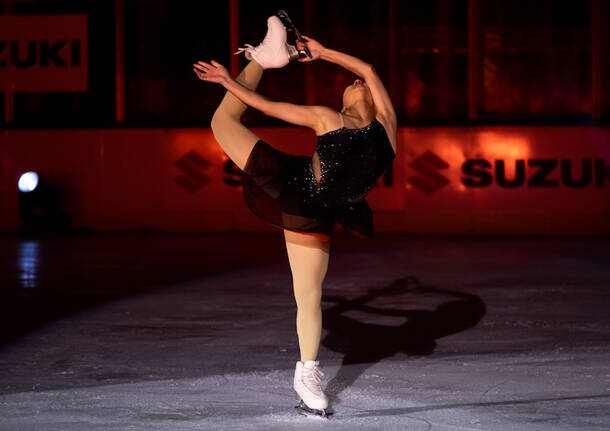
(305, 195)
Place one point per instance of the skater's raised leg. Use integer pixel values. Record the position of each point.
(235, 139)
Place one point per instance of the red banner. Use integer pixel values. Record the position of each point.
(445, 180)
(43, 53)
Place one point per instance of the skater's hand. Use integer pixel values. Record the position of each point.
(314, 46)
(214, 72)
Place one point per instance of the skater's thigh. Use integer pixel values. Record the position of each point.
(235, 139)
(306, 240)
(308, 256)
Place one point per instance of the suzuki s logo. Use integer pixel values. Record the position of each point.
(192, 177)
(428, 165)
(526, 173)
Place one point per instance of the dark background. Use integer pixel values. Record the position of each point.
(536, 60)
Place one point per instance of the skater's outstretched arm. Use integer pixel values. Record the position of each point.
(314, 117)
(381, 98)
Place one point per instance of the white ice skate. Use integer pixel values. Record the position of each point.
(308, 393)
(273, 52)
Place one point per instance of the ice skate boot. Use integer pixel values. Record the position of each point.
(273, 52)
(283, 16)
(310, 399)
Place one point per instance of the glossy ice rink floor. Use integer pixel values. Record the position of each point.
(156, 331)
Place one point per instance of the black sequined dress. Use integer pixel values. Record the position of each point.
(283, 190)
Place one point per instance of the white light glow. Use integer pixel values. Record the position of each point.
(28, 181)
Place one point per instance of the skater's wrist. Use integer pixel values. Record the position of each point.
(327, 54)
(227, 81)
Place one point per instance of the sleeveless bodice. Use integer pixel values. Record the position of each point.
(282, 189)
(350, 161)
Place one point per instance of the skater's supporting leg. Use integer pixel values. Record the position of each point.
(235, 139)
(308, 257)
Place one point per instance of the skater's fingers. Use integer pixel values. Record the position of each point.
(200, 67)
(204, 73)
(307, 38)
(199, 74)
(205, 65)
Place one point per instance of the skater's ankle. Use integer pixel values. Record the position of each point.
(257, 64)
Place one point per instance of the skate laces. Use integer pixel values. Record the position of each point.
(312, 376)
(245, 48)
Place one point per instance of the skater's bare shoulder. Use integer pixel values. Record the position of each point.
(328, 119)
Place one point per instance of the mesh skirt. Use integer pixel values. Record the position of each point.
(276, 189)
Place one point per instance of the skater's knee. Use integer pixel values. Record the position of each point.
(217, 120)
(308, 298)
(222, 118)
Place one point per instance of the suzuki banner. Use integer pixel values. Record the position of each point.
(43, 53)
(444, 180)
(507, 179)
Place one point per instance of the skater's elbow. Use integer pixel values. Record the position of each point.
(368, 70)
(219, 120)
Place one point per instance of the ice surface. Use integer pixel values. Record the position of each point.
(419, 334)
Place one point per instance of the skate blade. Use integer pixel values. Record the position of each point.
(302, 409)
(283, 16)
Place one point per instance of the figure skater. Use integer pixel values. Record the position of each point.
(305, 195)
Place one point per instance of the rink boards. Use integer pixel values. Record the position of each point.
(480, 180)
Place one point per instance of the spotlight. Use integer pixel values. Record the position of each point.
(40, 205)
(28, 182)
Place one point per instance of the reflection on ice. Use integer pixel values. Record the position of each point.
(28, 264)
